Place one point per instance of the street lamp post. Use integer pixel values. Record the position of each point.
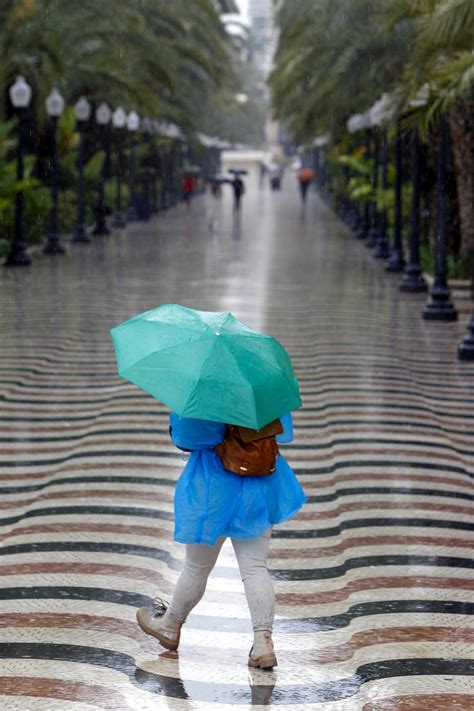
(381, 250)
(396, 262)
(119, 121)
(82, 111)
(54, 107)
(374, 229)
(156, 166)
(133, 124)
(146, 206)
(20, 96)
(440, 306)
(103, 116)
(412, 279)
(364, 227)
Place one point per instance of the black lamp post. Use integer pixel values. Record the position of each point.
(364, 228)
(156, 166)
(440, 306)
(20, 96)
(374, 230)
(103, 116)
(133, 124)
(54, 107)
(412, 279)
(146, 206)
(381, 250)
(82, 111)
(316, 166)
(119, 121)
(396, 262)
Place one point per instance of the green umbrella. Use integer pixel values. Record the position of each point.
(207, 365)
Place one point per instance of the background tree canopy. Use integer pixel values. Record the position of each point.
(164, 59)
(335, 58)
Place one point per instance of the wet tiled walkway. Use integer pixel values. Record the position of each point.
(374, 578)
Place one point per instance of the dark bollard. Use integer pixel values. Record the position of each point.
(396, 262)
(440, 306)
(466, 349)
(412, 280)
(382, 249)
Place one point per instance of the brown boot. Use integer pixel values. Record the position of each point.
(262, 654)
(152, 621)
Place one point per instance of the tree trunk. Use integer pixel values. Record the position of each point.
(462, 131)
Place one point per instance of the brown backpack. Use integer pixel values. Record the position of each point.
(250, 452)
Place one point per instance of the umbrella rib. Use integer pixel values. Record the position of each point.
(232, 354)
(269, 363)
(191, 394)
(161, 350)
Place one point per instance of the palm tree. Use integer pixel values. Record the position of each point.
(151, 54)
(443, 57)
(335, 58)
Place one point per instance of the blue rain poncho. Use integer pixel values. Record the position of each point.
(210, 501)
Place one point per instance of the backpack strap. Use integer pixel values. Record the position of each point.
(248, 435)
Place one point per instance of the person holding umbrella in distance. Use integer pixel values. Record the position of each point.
(237, 186)
(231, 390)
(305, 177)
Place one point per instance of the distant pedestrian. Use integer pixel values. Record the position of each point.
(305, 178)
(239, 189)
(275, 180)
(188, 189)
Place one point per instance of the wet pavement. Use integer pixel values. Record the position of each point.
(374, 577)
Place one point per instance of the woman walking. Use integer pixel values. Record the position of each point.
(211, 369)
(213, 503)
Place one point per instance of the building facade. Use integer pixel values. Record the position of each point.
(264, 34)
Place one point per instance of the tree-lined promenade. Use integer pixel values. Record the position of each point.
(164, 61)
(380, 95)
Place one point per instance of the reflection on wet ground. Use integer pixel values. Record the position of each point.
(373, 578)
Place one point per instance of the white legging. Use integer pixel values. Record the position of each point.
(252, 554)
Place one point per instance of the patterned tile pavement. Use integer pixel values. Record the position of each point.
(374, 578)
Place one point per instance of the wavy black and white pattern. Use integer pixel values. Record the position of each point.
(374, 578)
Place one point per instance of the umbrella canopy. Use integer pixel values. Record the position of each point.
(306, 174)
(219, 178)
(207, 365)
(237, 171)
